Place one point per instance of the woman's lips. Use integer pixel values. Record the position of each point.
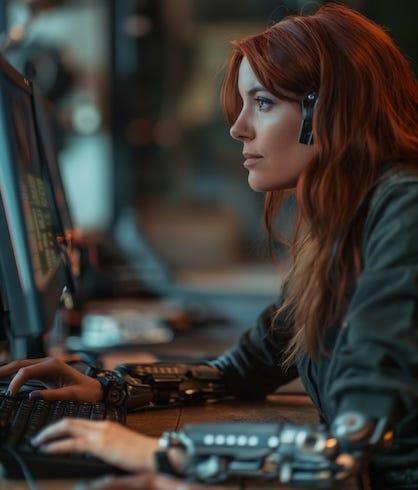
(251, 159)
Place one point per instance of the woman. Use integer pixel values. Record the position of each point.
(325, 106)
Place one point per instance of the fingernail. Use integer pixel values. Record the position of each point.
(34, 395)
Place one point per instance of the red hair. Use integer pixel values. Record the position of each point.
(365, 118)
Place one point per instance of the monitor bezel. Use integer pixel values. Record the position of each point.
(31, 312)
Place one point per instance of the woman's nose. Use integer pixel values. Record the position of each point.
(241, 130)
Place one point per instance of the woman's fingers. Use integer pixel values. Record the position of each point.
(67, 445)
(64, 382)
(68, 393)
(67, 427)
(88, 391)
(73, 436)
(81, 435)
(46, 369)
(22, 376)
(14, 366)
(109, 441)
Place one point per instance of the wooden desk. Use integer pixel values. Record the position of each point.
(290, 408)
(287, 408)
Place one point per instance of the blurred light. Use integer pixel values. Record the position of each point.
(138, 26)
(87, 172)
(167, 132)
(86, 118)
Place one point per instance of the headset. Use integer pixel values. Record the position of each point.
(308, 108)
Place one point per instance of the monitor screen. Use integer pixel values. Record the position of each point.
(49, 161)
(33, 274)
(63, 222)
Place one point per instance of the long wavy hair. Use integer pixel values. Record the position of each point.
(365, 118)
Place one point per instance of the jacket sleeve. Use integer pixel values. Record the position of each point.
(376, 362)
(253, 368)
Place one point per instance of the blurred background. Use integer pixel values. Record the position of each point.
(133, 86)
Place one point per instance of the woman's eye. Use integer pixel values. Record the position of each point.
(263, 103)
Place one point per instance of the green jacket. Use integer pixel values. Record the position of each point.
(373, 365)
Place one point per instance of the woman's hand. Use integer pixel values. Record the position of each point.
(62, 381)
(108, 441)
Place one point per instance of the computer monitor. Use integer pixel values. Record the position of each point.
(49, 161)
(62, 218)
(33, 272)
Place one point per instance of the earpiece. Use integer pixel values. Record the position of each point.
(308, 107)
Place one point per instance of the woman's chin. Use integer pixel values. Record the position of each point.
(258, 185)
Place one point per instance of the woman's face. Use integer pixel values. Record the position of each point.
(269, 127)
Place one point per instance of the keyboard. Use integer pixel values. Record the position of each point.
(21, 418)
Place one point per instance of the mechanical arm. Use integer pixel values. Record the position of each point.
(313, 455)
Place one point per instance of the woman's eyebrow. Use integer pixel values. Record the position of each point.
(256, 89)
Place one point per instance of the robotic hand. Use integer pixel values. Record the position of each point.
(138, 386)
(312, 455)
(295, 454)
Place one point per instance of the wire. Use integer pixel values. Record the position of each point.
(23, 466)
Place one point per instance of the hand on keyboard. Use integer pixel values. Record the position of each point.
(62, 382)
(22, 419)
(108, 441)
